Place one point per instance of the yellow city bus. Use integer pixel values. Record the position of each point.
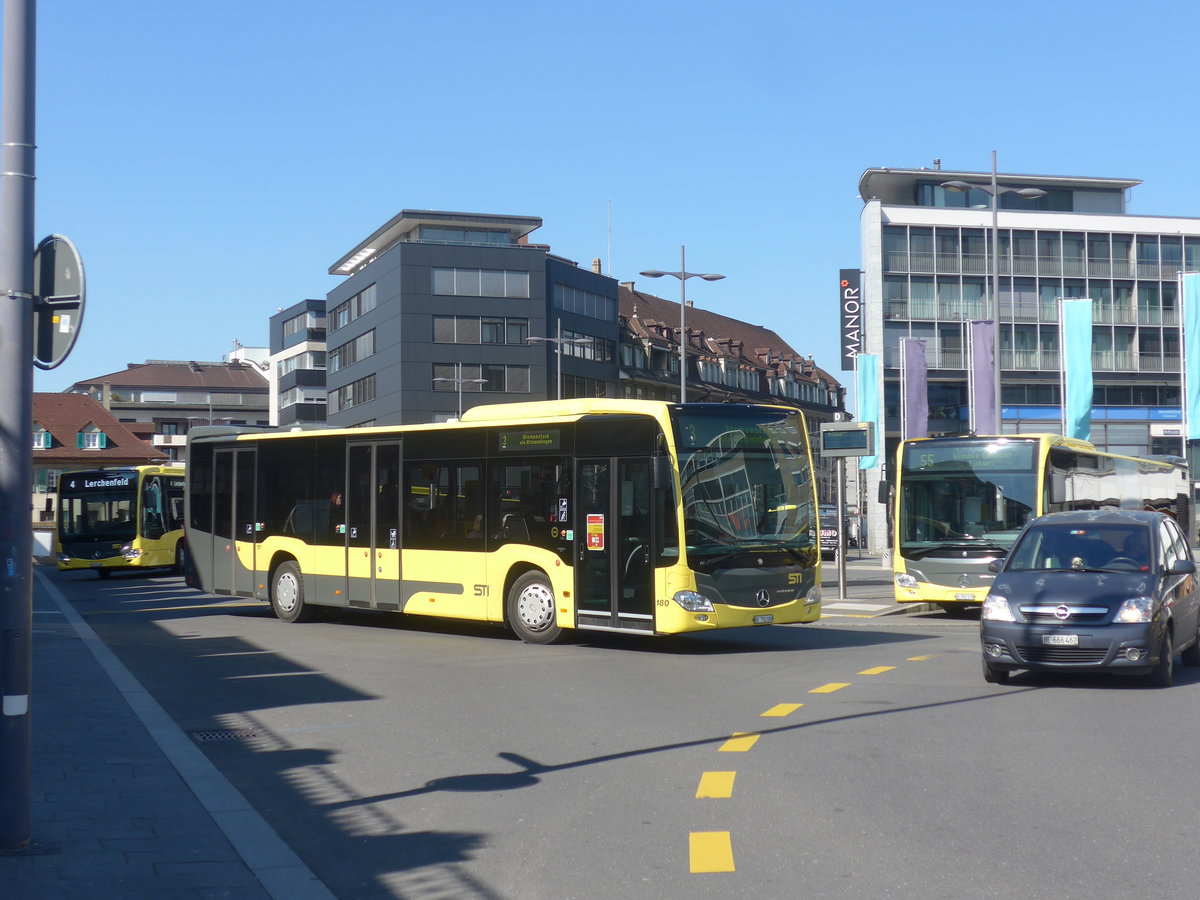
(120, 518)
(960, 502)
(603, 514)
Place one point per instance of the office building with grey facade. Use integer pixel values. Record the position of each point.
(927, 265)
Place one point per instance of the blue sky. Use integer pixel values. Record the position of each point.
(211, 160)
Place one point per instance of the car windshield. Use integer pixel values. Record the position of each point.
(1081, 546)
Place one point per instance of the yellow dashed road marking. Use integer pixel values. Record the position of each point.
(710, 851)
(830, 688)
(715, 786)
(782, 709)
(919, 658)
(740, 742)
(878, 670)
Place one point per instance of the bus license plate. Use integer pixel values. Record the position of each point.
(964, 596)
(1061, 640)
(764, 620)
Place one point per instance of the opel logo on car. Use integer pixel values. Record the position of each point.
(1062, 612)
(763, 598)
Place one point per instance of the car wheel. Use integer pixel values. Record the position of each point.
(1164, 673)
(531, 609)
(992, 675)
(287, 594)
(1191, 656)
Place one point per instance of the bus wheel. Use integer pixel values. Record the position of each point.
(103, 573)
(180, 559)
(287, 594)
(531, 609)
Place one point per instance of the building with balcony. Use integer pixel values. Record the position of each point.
(927, 271)
(297, 364)
(161, 399)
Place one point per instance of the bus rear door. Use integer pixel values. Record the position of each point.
(235, 532)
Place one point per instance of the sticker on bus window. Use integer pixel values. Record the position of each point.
(562, 509)
(595, 531)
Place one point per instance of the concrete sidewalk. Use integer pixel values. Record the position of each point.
(123, 803)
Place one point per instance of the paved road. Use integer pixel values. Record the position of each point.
(856, 757)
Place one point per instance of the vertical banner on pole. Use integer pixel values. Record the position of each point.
(1077, 368)
(915, 374)
(870, 406)
(1191, 354)
(982, 379)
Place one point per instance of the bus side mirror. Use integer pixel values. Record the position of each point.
(662, 473)
(884, 492)
(1058, 487)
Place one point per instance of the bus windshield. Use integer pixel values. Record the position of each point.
(747, 484)
(104, 513)
(969, 493)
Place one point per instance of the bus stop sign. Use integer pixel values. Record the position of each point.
(58, 298)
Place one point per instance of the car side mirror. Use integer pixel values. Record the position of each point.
(1182, 567)
(996, 565)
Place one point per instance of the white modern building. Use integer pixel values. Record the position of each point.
(927, 254)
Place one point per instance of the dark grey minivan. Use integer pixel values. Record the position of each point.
(1112, 590)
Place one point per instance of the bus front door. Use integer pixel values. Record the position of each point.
(614, 572)
(373, 525)
(235, 530)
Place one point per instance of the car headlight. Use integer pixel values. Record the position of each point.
(904, 580)
(1135, 609)
(693, 602)
(996, 609)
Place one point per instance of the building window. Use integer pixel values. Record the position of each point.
(354, 394)
(585, 303)
(576, 386)
(312, 359)
(351, 352)
(597, 348)
(295, 395)
(494, 378)
(92, 439)
(346, 312)
(446, 235)
(42, 439)
(479, 330)
(481, 283)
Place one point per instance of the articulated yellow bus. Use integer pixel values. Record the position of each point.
(120, 518)
(613, 515)
(962, 501)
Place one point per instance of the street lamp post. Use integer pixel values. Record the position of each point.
(994, 191)
(460, 381)
(558, 342)
(683, 275)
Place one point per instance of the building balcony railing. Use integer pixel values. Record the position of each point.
(937, 357)
(930, 263)
(1043, 311)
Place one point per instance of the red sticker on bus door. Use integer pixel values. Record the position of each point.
(595, 531)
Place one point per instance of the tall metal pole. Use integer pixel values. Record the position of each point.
(16, 417)
(999, 419)
(558, 356)
(683, 277)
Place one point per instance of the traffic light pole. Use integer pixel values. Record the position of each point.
(16, 417)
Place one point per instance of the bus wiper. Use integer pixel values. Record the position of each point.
(973, 544)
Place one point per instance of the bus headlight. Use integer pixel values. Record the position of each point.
(693, 602)
(64, 557)
(129, 553)
(813, 595)
(1135, 609)
(996, 609)
(904, 580)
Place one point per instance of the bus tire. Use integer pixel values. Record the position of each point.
(180, 559)
(287, 594)
(531, 609)
(103, 573)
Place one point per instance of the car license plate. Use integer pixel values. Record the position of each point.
(1061, 640)
(764, 620)
(964, 596)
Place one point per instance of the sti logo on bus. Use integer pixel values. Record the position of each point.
(850, 301)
